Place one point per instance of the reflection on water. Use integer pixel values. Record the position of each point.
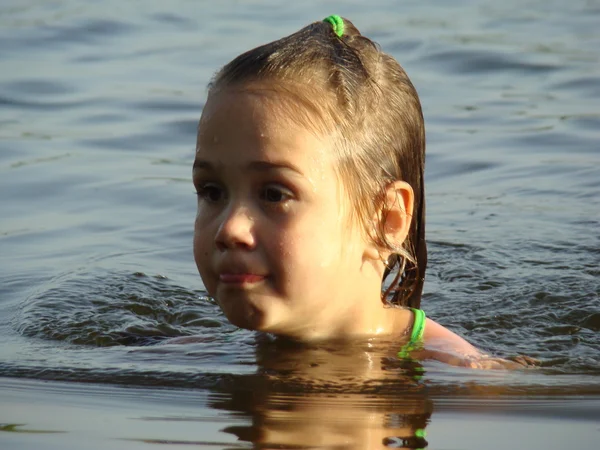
(98, 109)
(323, 421)
(301, 397)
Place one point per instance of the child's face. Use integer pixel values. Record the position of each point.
(273, 241)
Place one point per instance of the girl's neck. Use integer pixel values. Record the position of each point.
(380, 320)
(357, 323)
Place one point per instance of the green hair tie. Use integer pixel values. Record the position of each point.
(338, 24)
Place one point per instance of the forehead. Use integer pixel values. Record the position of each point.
(259, 123)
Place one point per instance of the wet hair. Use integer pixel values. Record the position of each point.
(349, 88)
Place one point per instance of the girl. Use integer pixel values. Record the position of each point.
(309, 172)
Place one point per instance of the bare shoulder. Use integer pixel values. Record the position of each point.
(442, 338)
(444, 345)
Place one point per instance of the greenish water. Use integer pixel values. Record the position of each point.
(99, 103)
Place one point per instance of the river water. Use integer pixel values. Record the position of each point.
(99, 103)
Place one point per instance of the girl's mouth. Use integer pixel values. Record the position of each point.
(240, 278)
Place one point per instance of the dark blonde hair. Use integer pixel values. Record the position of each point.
(348, 86)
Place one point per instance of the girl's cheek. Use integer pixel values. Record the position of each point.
(202, 224)
(200, 247)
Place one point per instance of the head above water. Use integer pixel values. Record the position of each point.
(339, 83)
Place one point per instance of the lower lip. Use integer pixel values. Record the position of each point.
(240, 279)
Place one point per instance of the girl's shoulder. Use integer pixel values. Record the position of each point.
(441, 344)
(440, 337)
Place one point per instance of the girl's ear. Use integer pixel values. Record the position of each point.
(393, 219)
(397, 212)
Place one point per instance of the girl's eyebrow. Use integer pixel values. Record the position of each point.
(262, 166)
(258, 166)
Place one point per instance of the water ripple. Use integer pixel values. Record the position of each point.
(113, 309)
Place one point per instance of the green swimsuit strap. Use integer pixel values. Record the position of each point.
(418, 325)
(416, 336)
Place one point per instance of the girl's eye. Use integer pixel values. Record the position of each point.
(275, 194)
(211, 192)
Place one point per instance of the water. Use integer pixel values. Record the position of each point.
(99, 103)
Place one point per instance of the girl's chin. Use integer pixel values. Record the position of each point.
(257, 316)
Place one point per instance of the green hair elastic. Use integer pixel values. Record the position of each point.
(338, 24)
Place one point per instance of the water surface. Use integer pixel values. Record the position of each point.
(99, 103)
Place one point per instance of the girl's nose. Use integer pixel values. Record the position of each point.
(236, 230)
